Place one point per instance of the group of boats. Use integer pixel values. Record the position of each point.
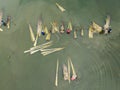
(95, 28)
(66, 72)
(43, 48)
(43, 30)
(4, 22)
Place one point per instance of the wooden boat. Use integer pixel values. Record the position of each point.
(36, 39)
(69, 25)
(51, 51)
(60, 7)
(107, 25)
(36, 50)
(90, 33)
(82, 32)
(62, 28)
(31, 33)
(38, 47)
(39, 27)
(46, 30)
(69, 70)
(48, 37)
(75, 34)
(65, 72)
(8, 22)
(54, 27)
(1, 15)
(97, 28)
(74, 75)
(56, 78)
(1, 29)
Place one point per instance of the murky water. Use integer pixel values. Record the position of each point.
(96, 60)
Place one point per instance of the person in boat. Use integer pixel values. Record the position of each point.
(62, 29)
(68, 31)
(106, 27)
(74, 77)
(43, 33)
(3, 23)
(8, 21)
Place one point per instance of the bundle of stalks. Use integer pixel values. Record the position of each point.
(49, 51)
(38, 47)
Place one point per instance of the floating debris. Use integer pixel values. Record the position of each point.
(60, 7)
